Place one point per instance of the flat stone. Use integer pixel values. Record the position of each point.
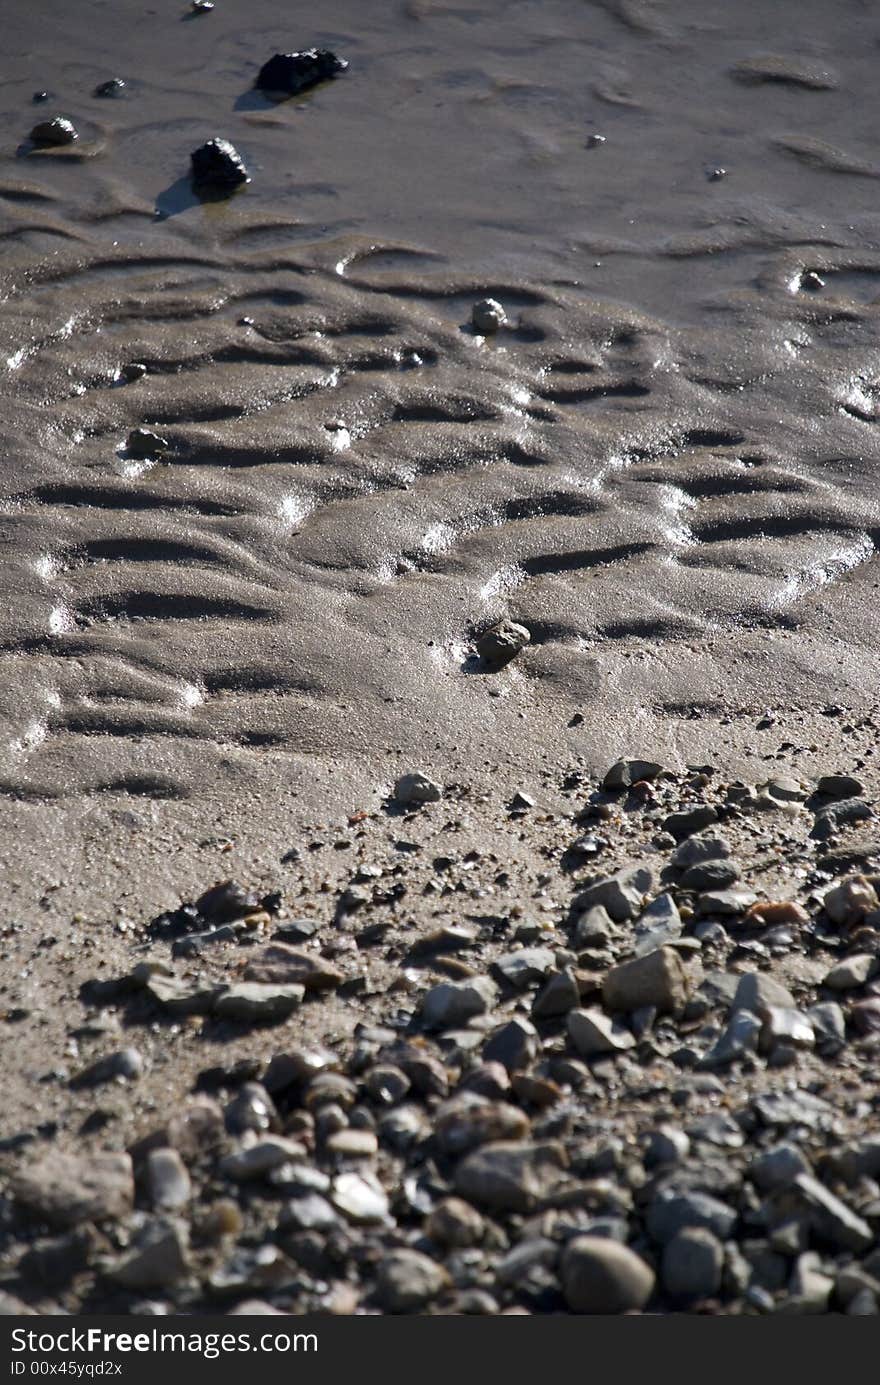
(689, 820)
(249, 1000)
(725, 903)
(353, 1144)
(280, 963)
(840, 786)
(660, 923)
(594, 1033)
(309, 1212)
(831, 1219)
(181, 997)
(784, 788)
(600, 1276)
(468, 1121)
(290, 73)
(407, 1281)
(710, 875)
(258, 1159)
(707, 846)
(509, 1176)
(417, 788)
(621, 894)
(673, 1210)
(525, 967)
(624, 773)
(657, 980)
(66, 1189)
(452, 1003)
(692, 1264)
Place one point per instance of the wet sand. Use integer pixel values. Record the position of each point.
(666, 467)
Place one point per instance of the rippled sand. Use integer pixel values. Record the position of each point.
(666, 467)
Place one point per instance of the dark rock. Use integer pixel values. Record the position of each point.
(686, 823)
(291, 73)
(226, 901)
(143, 442)
(59, 130)
(114, 87)
(218, 163)
(601, 1276)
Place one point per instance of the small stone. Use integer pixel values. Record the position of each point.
(291, 73)
(386, 1084)
(310, 1212)
(829, 1027)
(155, 1258)
(851, 973)
(726, 903)
(757, 992)
(467, 1121)
(66, 1189)
(406, 1281)
(778, 1167)
(811, 281)
(417, 788)
(660, 923)
(360, 1199)
(809, 1288)
(692, 1264)
(488, 1079)
(59, 130)
(126, 1064)
(525, 967)
(594, 928)
(673, 1210)
(624, 773)
(168, 1181)
(248, 1000)
(739, 1038)
(453, 1003)
(560, 994)
(710, 875)
(831, 1219)
(226, 901)
(114, 86)
(829, 820)
(515, 1045)
(353, 1144)
(784, 789)
(453, 1223)
(509, 1176)
(850, 900)
(217, 163)
(593, 1033)
(688, 821)
(600, 1276)
(502, 642)
(772, 913)
(705, 847)
(657, 979)
(785, 1026)
(621, 894)
(488, 316)
(521, 802)
(666, 1145)
(281, 963)
(144, 443)
(261, 1158)
(840, 786)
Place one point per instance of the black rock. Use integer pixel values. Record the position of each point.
(40, 96)
(226, 901)
(218, 164)
(295, 72)
(113, 87)
(59, 130)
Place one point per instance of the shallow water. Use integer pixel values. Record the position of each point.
(667, 466)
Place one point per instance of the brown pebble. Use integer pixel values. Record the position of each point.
(775, 911)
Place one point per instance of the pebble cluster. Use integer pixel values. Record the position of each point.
(661, 1098)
